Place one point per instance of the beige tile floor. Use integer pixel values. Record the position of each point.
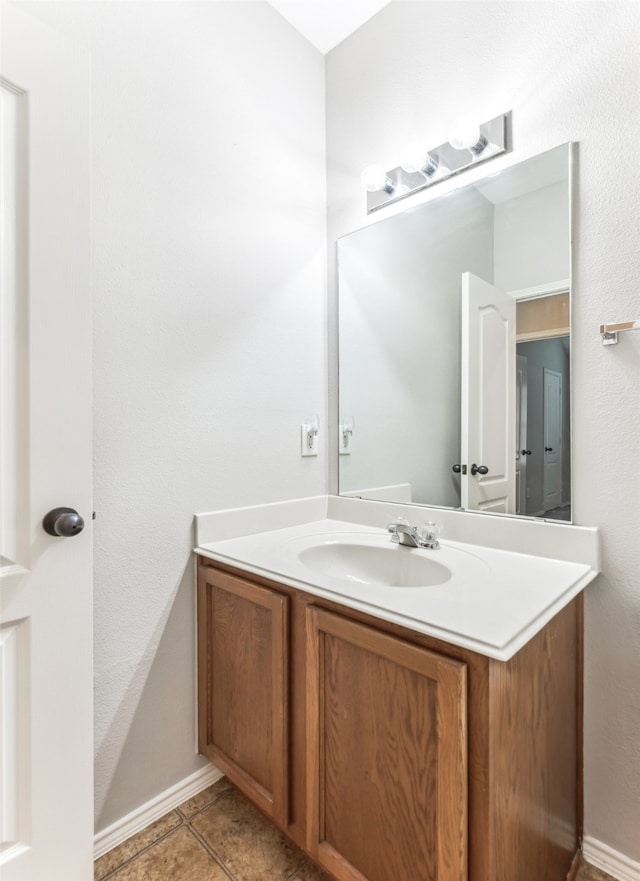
(219, 836)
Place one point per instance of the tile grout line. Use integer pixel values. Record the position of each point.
(584, 874)
(209, 849)
(184, 821)
(144, 849)
(297, 872)
(212, 851)
(214, 856)
(214, 801)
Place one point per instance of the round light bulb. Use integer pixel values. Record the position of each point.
(414, 157)
(464, 133)
(374, 178)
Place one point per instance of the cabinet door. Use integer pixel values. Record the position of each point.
(386, 740)
(243, 686)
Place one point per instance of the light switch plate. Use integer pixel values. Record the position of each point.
(345, 433)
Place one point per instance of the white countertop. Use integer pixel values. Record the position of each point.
(496, 601)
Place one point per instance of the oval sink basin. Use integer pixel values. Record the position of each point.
(389, 565)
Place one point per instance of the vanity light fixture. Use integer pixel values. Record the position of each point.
(415, 157)
(465, 134)
(469, 144)
(374, 179)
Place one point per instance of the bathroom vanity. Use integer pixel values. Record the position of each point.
(404, 713)
(397, 730)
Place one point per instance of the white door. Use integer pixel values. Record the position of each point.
(552, 433)
(488, 397)
(46, 748)
(522, 453)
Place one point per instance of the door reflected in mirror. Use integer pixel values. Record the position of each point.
(454, 348)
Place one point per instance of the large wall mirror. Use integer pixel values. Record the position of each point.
(454, 347)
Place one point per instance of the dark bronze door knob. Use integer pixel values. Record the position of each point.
(63, 522)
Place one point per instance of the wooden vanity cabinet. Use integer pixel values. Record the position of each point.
(386, 754)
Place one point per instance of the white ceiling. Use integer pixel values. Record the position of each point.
(325, 23)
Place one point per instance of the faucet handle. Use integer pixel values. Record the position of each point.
(429, 532)
(393, 527)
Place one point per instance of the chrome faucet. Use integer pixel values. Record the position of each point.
(413, 537)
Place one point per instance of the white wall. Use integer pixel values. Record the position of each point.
(571, 73)
(531, 245)
(400, 301)
(209, 316)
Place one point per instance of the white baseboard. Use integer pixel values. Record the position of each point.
(148, 813)
(609, 860)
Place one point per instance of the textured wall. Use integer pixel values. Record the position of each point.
(569, 71)
(209, 316)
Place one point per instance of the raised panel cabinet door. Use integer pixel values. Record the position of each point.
(386, 754)
(244, 686)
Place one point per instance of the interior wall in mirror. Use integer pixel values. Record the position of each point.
(454, 347)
